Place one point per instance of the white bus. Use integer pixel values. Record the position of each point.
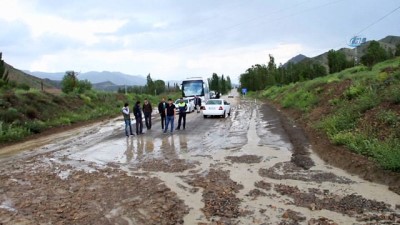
(196, 86)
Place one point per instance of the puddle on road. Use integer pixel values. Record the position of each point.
(245, 133)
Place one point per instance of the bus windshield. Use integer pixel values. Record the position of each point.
(192, 88)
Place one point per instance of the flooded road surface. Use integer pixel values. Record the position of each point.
(243, 169)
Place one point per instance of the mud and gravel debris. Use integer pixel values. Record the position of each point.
(292, 217)
(263, 185)
(352, 205)
(395, 189)
(219, 194)
(103, 197)
(385, 218)
(168, 166)
(288, 170)
(249, 159)
(321, 221)
(255, 193)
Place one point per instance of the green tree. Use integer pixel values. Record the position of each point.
(214, 82)
(223, 88)
(3, 72)
(150, 87)
(159, 86)
(397, 52)
(228, 83)
(69, 82)
(375, 53)
(337, 61)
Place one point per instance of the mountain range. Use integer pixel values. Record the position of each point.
(94, 77)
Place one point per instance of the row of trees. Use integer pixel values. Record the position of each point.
(258, 77)
(152, 87)
(220, 84)
(261, 76)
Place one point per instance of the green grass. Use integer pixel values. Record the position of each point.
(348, 121)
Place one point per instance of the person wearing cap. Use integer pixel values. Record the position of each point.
(170, 115)
(182, 107)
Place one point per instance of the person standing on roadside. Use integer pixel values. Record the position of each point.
(182, 107)
(161, 110)
(170, 115)
(147, 110)
(197, 103)
(137, 112)
(127, 119)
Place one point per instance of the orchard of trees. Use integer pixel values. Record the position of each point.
(259, 77)
(220, 84)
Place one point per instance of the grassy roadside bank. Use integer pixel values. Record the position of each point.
(358, 108)
(27, 112)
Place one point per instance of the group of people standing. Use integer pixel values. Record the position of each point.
(167, 111)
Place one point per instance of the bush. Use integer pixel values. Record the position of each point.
(35, 126)
(388, 117)
(353, 91)
(10, 115)
(12, 133)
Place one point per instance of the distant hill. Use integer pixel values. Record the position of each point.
(388, 42)
(21, 77)
(116, 78)
(296, 59)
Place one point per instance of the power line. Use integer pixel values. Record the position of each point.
(377, 21)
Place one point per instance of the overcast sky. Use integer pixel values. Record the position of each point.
(174, 39)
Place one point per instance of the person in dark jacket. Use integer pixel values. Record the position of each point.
(170, 115)
(137, 112)
(197, 103)
(182, 107)
(161, 110)
(147, 110)
(127, 119)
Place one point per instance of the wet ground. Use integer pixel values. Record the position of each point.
(248, 168)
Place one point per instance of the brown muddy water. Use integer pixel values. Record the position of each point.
(243, 169)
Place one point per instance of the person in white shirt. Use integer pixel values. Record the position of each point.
(127, 119)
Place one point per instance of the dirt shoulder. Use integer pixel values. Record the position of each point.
(338, 156)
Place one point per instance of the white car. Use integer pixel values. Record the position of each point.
(189, 102)
(217, 107)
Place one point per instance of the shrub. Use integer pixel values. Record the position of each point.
(10, 115)
(31, 112)
(353, 91)
(12, 133)
(35, 126)
(388, 117)
(23, 87)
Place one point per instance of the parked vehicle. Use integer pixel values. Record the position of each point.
(196, 86)
(189, 102)
(217, 107)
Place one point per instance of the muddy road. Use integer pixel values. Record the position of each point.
(243, 169)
